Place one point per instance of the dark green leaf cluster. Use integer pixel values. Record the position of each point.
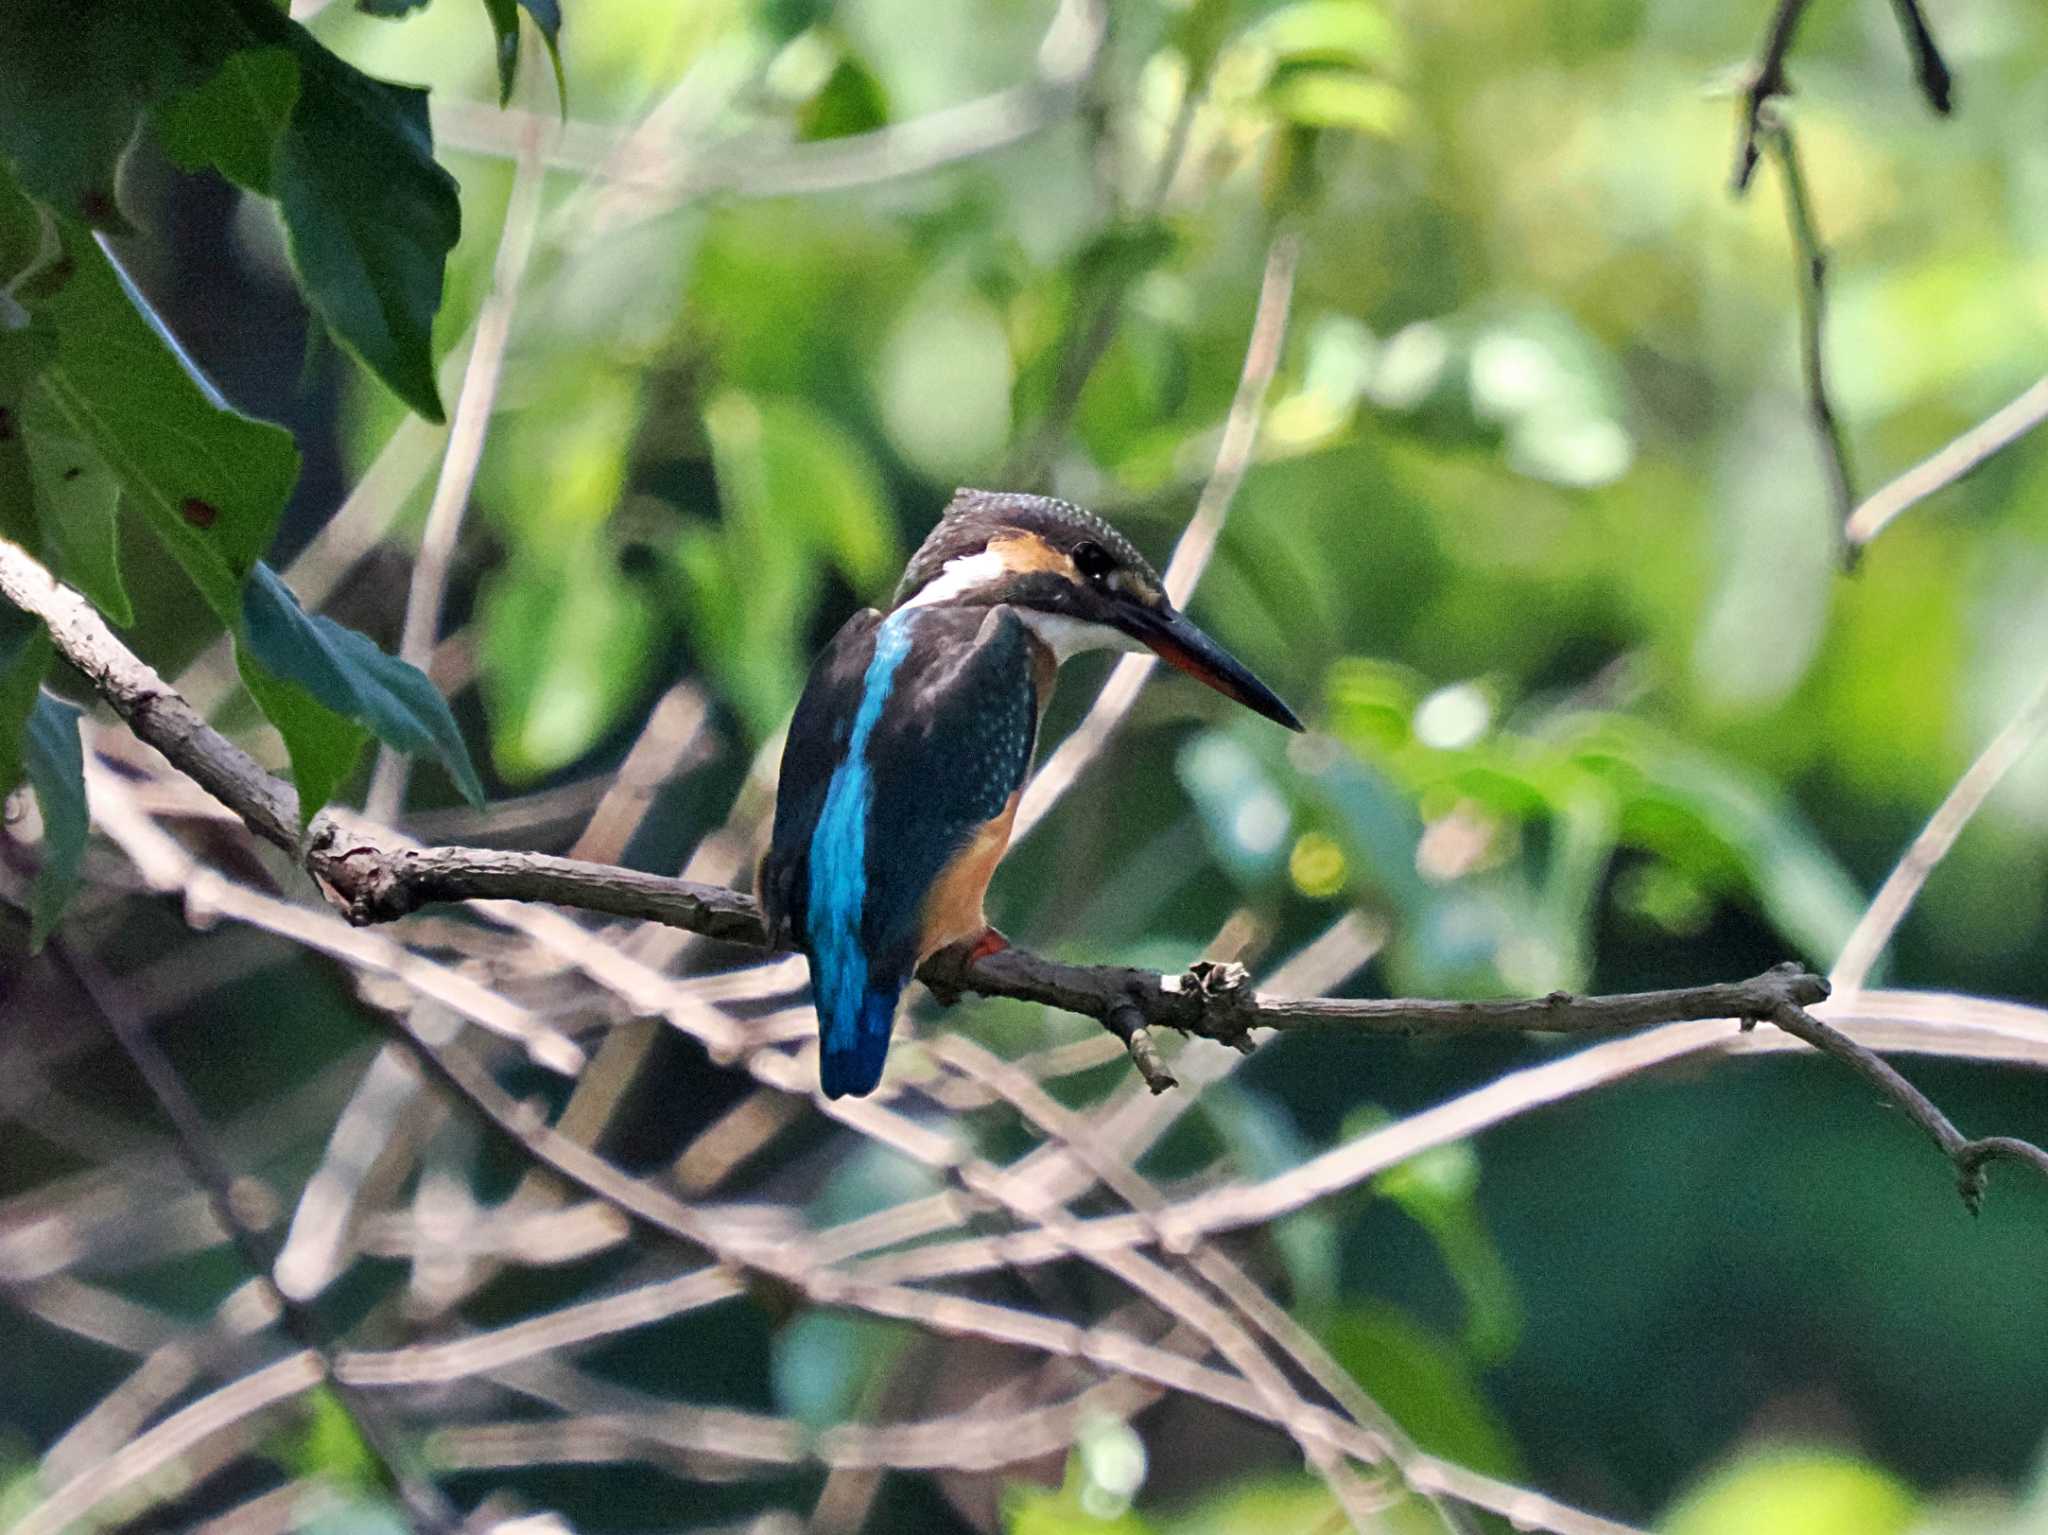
(100, 408)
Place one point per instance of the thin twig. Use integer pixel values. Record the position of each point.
(373, 876)
(467, 427)
(1813, 273)
(1888, 907)
(1960, 458)
(1930, 69)
(1764, 82)
(1197, 543)
(427, 1505)
(1095, 326)
(1965, 1027)
(1969, 1157)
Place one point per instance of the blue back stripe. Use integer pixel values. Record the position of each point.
(839, 851)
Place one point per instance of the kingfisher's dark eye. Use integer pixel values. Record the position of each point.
(1092, 560)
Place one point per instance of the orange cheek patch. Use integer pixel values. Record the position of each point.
(1022, 552)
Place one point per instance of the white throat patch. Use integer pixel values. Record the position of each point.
(1061, 635)
(1066, 637)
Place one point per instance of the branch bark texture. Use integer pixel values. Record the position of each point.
(372, 875)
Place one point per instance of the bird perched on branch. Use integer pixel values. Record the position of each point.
(910, 746)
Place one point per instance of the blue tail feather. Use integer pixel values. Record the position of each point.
(851, 1050)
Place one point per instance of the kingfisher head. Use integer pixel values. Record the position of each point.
(1077, 582)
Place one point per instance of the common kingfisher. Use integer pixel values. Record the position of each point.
(909, 748)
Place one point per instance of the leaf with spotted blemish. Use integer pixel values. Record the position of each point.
(210, 481)
(75, 498)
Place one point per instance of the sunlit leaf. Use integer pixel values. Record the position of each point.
(944, 378)
(54, 764)
(1337, 98)
(1357, 33)
(850, 101)
(1277, 1504)
(567, 648)
(350, 675)
(1037, 1511)
(1795, 1492)
(326, 1444)
(786, 470)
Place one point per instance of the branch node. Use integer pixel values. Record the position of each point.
(1126, 1020)
(1225, 1002)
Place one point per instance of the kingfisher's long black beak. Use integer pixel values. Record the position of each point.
(1179, 643)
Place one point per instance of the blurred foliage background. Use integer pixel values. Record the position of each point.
(1535, 536)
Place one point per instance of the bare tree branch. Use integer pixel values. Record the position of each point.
(1888, 907)
(467, 425)
(1962, 457)
(1764, 82)
(1813, 297)
(373, 876)
(1930, 69)
(1970, 1157)
(427, 1505)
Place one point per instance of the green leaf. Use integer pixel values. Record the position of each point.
(327, 1446)
(568, 646)
(504, 16)
(850, 101)
(210, 481)
(1796, 1492)
(1353, 33)
(350, 675)
(24, 660)
(74, 82)
(823, 1362)
(1277, 1503)
(369, 216)
(1339, 98)
(22, 354)
(55, 765)
(324, 746)
(797, 490)
(235, 121)
(786, 468)
(1424, 1384)
(75, 497)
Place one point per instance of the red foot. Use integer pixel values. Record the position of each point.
(990, 942)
